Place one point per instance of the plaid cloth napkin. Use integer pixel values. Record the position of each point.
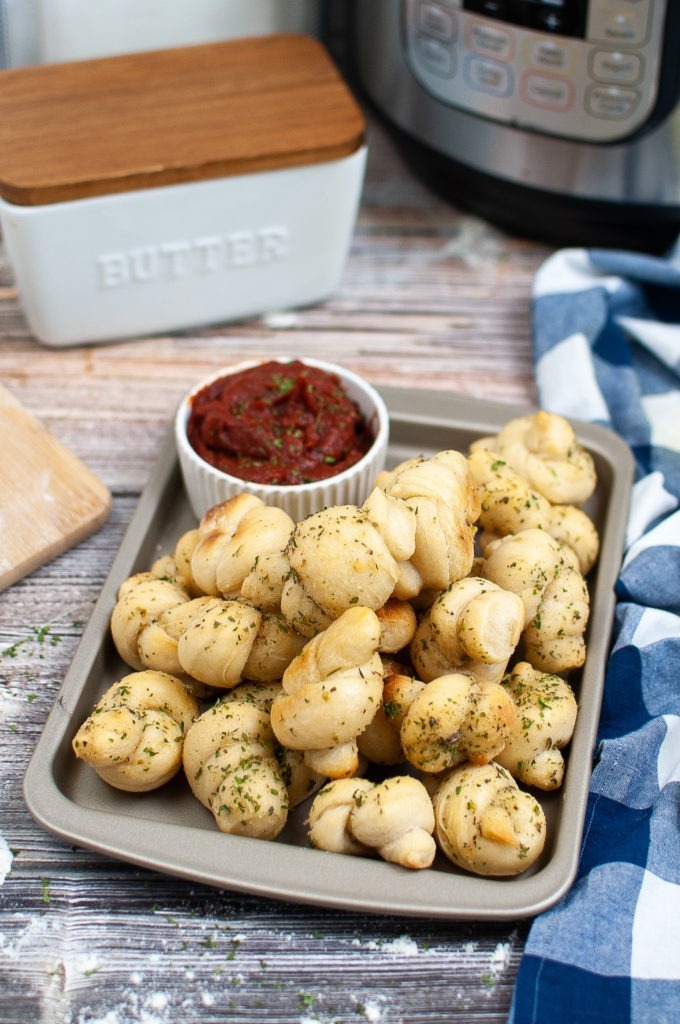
(607, 349)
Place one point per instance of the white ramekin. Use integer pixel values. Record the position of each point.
(207, 486)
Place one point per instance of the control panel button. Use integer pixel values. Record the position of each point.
(621, 23)
(611, 102)
(436, 56)
(435, 21)
(488, 76)
(549, 54)
(490, 41)
(548, 91)
(615, 67)
(553, 20)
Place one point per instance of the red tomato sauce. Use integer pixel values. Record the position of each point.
(278, 423)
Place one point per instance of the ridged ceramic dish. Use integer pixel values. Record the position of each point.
(207, 486)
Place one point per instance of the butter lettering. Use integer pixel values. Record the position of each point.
(143, 263)
(176, 254)
(113, 270)
(210, 251)
(241, 248)
(273, 244)
(207, 254)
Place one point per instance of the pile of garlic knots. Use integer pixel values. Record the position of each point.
(403, 666)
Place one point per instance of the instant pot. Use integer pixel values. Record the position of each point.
(555, 119)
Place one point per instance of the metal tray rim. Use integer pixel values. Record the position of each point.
(306, 875)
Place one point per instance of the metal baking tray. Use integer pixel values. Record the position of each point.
(169, 831)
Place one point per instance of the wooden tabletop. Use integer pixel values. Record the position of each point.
(430, 298)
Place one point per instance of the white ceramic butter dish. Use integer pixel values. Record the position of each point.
(163, 190)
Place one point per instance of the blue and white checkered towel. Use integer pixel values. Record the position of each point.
(607, 349)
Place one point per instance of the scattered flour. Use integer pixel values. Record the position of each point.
(154, 1009)
(6, 858)
(404, 945)
(372, 1010)
(86, 964)
(476, 246)
(158, 1001)
(34, 938)
(281, 321)
(111, 1017)
(500, 957)
(9, 703)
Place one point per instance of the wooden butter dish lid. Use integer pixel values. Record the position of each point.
(110, 125)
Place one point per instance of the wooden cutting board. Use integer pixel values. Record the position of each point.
(49, 500)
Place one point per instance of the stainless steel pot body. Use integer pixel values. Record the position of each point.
(490, 164)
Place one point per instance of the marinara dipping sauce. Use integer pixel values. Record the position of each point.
(278, 423)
